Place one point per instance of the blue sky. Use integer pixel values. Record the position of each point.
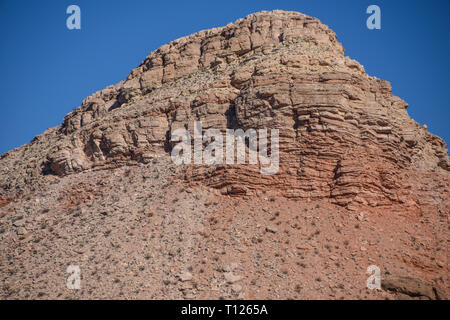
(46, 70)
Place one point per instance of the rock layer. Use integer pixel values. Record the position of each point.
(343, 135)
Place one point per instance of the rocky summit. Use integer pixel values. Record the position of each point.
(359, 183)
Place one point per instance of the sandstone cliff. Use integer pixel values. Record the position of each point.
(347, 145)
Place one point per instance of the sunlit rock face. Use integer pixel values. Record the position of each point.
(359, 182)
(343, 135)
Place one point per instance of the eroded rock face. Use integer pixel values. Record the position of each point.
(102, 192)
(343, 135)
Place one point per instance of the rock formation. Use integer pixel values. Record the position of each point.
(346, 141)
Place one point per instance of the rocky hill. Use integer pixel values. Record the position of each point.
(359, 182)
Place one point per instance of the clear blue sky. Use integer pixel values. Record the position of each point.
(46, 70)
